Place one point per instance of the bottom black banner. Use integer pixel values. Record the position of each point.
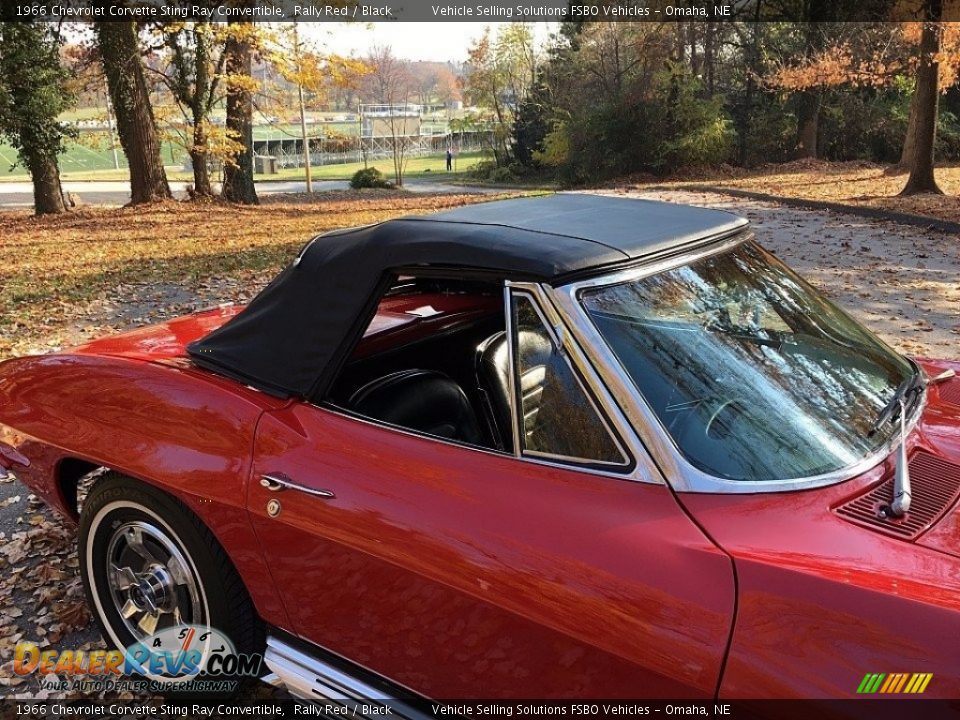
(867, 709)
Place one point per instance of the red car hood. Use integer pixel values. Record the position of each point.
(163, 341)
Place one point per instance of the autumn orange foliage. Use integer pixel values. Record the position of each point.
(846, 64)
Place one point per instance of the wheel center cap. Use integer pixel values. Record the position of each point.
(150, 592)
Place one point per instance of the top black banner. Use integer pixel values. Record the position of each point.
(480, 10)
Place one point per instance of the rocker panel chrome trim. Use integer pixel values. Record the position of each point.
(308, 677)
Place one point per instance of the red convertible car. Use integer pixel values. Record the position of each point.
(568, 446)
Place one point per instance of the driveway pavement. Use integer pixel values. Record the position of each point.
(104, 192)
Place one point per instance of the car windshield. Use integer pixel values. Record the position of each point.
(754, 374)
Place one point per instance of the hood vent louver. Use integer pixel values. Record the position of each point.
(936, 487)
(950, 392)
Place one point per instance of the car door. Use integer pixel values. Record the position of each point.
(461, 572)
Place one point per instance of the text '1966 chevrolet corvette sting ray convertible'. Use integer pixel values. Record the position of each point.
(565, 446)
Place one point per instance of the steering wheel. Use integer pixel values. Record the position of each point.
(723, 419)
(714, 418)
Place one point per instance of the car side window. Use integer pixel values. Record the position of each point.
(556, 415)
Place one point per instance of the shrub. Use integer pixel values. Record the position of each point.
(502, 175)
(482, 170)
(489, 171)
(556, 147)
(369, 178)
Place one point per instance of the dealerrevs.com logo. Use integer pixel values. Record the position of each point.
(188, 658)
(894, 683)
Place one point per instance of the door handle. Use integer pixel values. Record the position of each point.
(275, 482)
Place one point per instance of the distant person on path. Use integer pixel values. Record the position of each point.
(449, 159)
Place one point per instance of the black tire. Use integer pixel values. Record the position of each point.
(117, 502)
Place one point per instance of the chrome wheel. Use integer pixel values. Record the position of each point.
(149, 565)
(152, 584)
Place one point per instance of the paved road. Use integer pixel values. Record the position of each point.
(104, 192)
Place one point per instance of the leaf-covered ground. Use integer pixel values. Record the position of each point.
(851, 183)
(67, 278)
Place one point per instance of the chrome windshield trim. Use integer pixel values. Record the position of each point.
(714, 246)
(680, 474)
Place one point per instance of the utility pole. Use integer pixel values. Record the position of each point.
(303, 110)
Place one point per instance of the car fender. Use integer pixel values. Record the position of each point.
(184, 431)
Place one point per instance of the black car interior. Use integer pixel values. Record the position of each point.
(493, 375)
(449, 376)
(423, 400)
(452, 384)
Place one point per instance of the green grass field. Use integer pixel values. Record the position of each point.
(89, 157)
(423, 167)
(86, 161)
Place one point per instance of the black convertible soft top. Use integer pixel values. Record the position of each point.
(293, 336)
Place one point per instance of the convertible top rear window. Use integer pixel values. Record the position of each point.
(753, 374)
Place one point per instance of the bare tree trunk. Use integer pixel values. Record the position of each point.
(303, 114)
(47, 193)
(927, 102)
(709, 53)
(695, 58)
(238, 176)
(399, 160)
(751, 51)
(809, 101)
(123, 66)
(306, 139)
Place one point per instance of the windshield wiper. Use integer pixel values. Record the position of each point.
(897, 407)
(759, 336)
(911, 386)
(914, 385)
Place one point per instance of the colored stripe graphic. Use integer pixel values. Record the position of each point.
(894, 683)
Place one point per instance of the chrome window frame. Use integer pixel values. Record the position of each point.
(638, 465)
(650, 432)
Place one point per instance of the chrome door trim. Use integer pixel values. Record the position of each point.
(679, 473)
(511, 368)
(341, 412)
